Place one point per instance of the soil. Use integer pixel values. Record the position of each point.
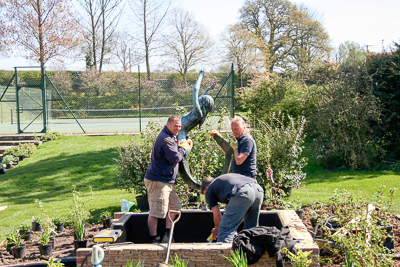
(64, 247)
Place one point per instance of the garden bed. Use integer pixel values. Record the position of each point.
(394, 221)
(64, 247)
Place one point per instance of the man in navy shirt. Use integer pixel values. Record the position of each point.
(160, 176)
(243, 197)
(244, 150)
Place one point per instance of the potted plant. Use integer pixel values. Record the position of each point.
(36, 221)
(45, 248)
(106, 219)
(78, 217)
(59, 224)
(79, 241)
(25, 231)
(8, 160)
(19, 249)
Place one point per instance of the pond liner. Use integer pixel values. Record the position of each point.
(194, 226)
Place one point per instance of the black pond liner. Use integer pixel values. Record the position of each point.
(194, 226)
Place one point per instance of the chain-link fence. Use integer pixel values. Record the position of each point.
(100, 102)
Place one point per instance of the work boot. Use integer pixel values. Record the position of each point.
(156, 240)
(166, 239)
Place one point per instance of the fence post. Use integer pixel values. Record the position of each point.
(140, 107)
(12, 121)
(233, 90)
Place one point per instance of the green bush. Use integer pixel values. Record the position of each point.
(343, 127)
(384, 70)
(134, 159)
(279, 146)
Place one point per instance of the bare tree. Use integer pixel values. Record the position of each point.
(150, 15)
(126, 51)
(241, 49)
(187, 44)
(45, 29)
(100, 19)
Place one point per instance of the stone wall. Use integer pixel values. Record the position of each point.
(197, 254)
(200, 255)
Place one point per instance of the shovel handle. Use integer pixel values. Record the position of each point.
(178, 212)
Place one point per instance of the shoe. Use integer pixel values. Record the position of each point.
(156, 240)
(166, 239)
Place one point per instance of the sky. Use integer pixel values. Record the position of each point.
(370, 23)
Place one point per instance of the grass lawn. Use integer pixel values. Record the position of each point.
(83, 161)
(320, 184)
(88, 161)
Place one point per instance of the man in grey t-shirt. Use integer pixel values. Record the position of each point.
(243, 197)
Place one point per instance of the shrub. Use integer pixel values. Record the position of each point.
(279, 147)
(344, 125)
(134, 159)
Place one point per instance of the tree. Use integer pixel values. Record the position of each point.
(150, 15)
(126, 51)
(2, 27)
(100, 20)
(187, 44)
(350, 56)
(284, 30)
(311, 42)
(241, 49)
(45, 29)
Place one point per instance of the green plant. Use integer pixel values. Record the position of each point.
(79, 229)
(50, 136)
(79, 214)
(285, 138)
(52, 263)
(56, 220)
(14, 237)
(238, 258)
(37, 220)
(177, 262)
(292, 205)
(300, 259)
(25, 227)
(45, 236)
(132, 264)
(45, 220)
(105, 214)
(362, 229)
(8, 159)
(134, 159)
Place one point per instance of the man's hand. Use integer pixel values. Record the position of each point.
(186, 144)
(214, 232)
(214, 133)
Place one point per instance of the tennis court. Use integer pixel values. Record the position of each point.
(111, 125)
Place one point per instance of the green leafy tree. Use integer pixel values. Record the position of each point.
(286, 33)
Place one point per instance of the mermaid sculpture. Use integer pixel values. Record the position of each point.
(201, 107)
